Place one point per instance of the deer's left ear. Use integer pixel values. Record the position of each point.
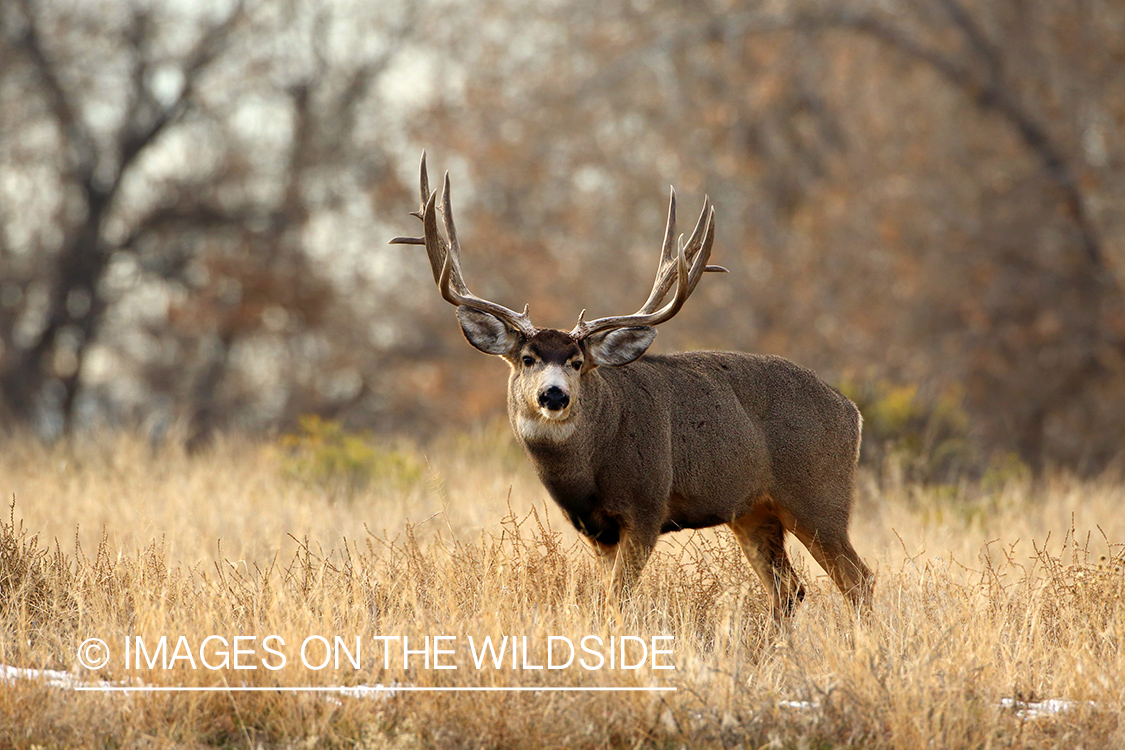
(619, 346)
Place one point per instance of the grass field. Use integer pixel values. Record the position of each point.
(992, 599)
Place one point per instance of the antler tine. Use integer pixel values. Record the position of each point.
(436, 248)
(669, 226)
(663, 282)
(424, 196)
(423, 183)
(683, 285)
(699, 262)
(451, 233)
(703, 225)
(445, 258)
(685, 269)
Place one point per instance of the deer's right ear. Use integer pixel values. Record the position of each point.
(488, 333)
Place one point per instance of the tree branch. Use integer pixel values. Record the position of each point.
(977, 38)
(988, 92)
(139, 135)
(72, 128)
(995, 95)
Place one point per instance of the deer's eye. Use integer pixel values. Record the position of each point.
(528, 361)
(576, 364)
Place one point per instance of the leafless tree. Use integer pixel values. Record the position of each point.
(182, 154)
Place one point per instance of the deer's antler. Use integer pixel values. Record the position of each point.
(683, 267)
(445, 258)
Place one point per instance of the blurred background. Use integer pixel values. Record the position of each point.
(922, 200)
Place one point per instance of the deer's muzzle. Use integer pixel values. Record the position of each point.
(554, 398)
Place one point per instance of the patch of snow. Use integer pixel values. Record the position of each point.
(806, 705)
(65, 680)
(51, 677)
(1023, 709)
(1041, 709)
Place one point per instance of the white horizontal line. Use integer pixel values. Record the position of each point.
(361, 689)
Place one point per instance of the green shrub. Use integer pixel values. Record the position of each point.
(922, 438)
(322, 452)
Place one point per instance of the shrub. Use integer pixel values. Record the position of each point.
(923, 439)
(322, 452)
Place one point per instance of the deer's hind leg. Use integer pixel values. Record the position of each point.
(821, 523)
(761, 535)
(833, 550)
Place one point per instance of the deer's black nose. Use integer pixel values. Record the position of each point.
(554, 398)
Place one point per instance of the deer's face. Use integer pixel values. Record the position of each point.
(547, 375)
(549, 366)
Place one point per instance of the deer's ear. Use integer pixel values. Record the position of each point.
(488, 333)
(619, 346)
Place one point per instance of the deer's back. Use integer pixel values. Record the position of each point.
(788, 401)
(738, 426)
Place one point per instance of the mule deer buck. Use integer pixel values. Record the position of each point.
(632, 446)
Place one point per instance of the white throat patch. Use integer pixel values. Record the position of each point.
(538, 429)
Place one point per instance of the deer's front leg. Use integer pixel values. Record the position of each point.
(632, 552)
(607, 559)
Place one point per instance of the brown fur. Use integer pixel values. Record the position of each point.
(693, 440)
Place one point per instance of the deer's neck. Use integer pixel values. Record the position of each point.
(563, 451)
(566, 455)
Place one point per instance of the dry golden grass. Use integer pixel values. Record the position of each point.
(983, 594)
